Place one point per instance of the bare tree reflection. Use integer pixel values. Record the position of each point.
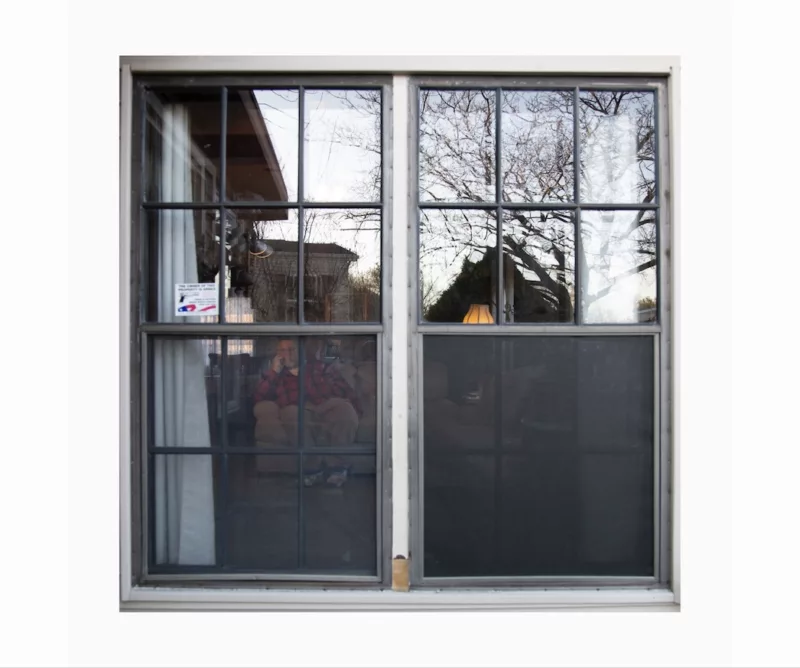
(457, 163)
(618, 152)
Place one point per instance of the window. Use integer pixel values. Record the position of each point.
(261, 330)
(537, 333)
(400, 320)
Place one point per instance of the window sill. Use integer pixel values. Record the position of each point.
(164, 598)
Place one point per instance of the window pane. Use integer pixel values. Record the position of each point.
(263, 513)
(343, 145)
(619, 248)
(267, 523)
(183, 516)
(617, 146)
(538, 134)
(184, 393)
(328, 526)
(458, 263)
(457, 145)
(338, 390)
(340, 520)
(538, 456)
(183, 248)
(261, 276)
(342, 265)
(262, 143)
(182, 145)
(539, 266)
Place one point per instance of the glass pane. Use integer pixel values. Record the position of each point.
(182, 145)
(342, 265)
(341, 523)
(538, 134)
(458, 264)
(339, 391)
(343, 145)
(184, 393)
(619, 249)
(263, 513)
(263, 136)
(617, 137)
(261, 276)
(538, 456)
(184, 517)
(457, 145)
(539, 266)
(183, 248)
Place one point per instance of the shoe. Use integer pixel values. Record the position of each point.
(314, 478)
(337, 476)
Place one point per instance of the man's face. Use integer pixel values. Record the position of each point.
(287, 349)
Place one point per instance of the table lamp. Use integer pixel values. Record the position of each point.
(478, 314)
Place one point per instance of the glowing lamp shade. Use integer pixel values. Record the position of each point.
(478, 314)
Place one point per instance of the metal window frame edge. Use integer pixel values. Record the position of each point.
(628, 600)
(125, 423)
(536, 65)
(670, 295)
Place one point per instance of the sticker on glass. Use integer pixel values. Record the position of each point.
(195, 299)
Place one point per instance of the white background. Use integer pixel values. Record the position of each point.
(60, 587)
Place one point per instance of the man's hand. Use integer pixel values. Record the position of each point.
(277, 364)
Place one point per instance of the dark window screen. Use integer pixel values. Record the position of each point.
(538, 456)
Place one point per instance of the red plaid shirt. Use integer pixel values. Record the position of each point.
(321, 382)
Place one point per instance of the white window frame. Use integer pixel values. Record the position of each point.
(402, 68)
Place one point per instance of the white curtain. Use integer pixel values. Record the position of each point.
(184, 491)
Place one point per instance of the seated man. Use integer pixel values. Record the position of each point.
(331, 410)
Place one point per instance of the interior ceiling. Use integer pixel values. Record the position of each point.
(253, 171)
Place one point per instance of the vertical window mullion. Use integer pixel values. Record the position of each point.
(145, 288)
(657, 198)
(301, 125)
(222, 293)
(221, 531)
(500, 318)
(147, 416)
(576, 164)
(223, 159)
(301, 514)
(665, 357)
(498, 103)
(301, 317)
(499, 349)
